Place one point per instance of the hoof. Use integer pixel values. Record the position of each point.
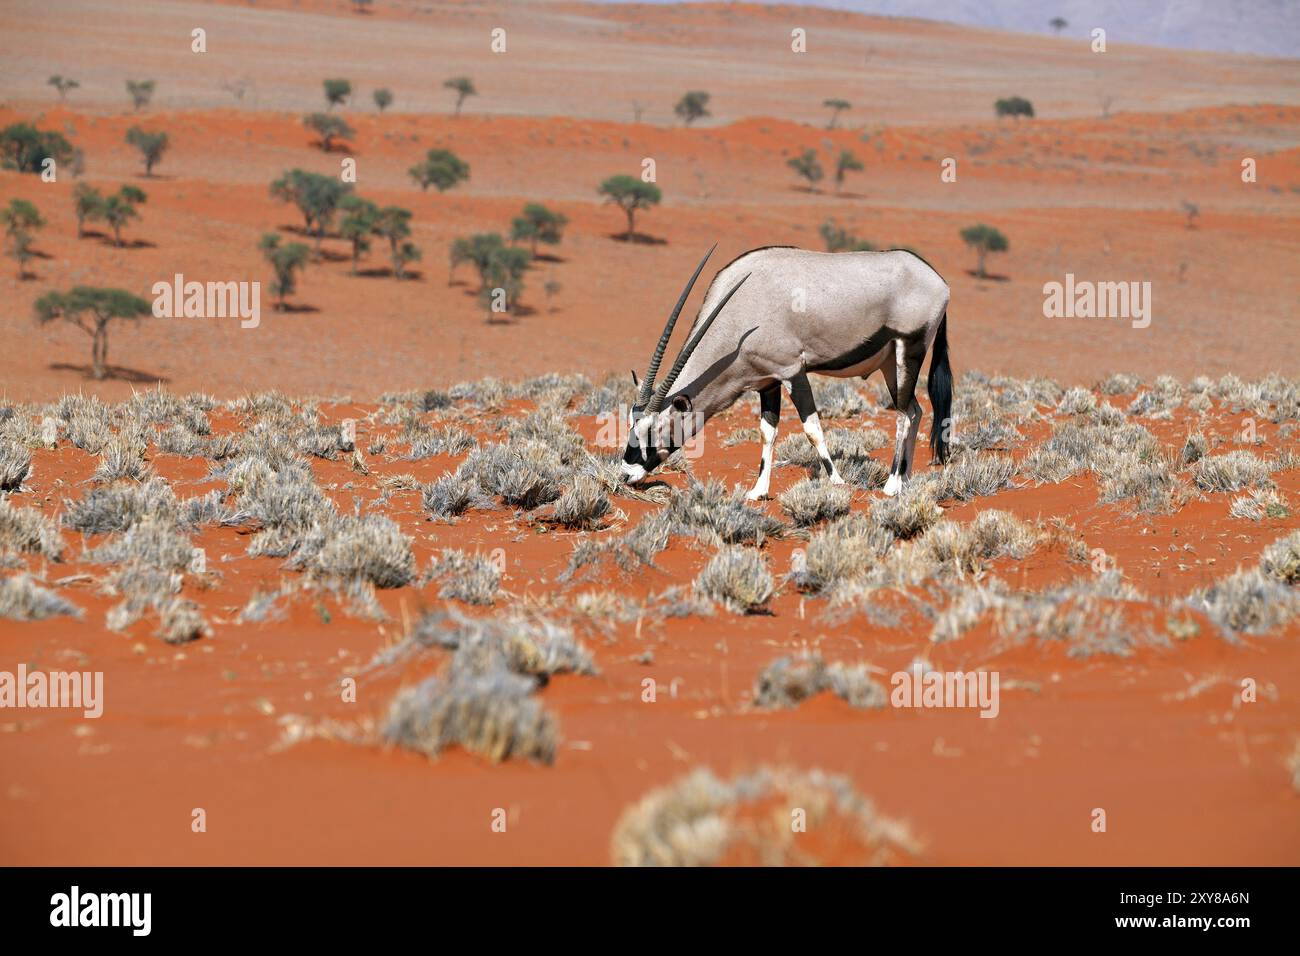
(836, 480)
(756, 495)
(893, 486)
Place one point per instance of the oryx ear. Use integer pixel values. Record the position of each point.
(683, 404)
(635, 383)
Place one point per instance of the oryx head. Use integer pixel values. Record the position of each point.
(656, 431)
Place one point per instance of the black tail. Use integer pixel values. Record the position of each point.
(940, 388)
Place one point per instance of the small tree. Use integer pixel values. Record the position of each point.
(552, 288)
(630, 194)
(476, 250)
(440, 168)
(983, 239)
(151, 145)
(357, 225)
(463, 87)
(336, 92)
(1192, 212)
(538, 224)
(316, 195)
(394, 224)
(328, 127)
(287, 260)
(25, 148)
(1015, 106)
(836, 106)
(92, 309)
(846, 163)
(383, 98)
(839, 239)
(692, 106)
(63, 84)
(237, 87)
(88, 204)
(808, 166)
(1058, 23)
(141, 92)
(20, 219)
(504, 270)
(120, 208)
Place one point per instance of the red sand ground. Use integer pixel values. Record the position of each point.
(1186, 776)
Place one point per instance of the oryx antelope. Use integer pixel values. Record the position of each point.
(792, 312)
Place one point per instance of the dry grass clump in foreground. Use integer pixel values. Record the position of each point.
(473, 579)
(15, 465)
(774, 816)
(1258, 504)
(531, 646)
(845, 550)
(788, 681)
(22, 599)
(492, 715)
(1232, 471)
(808, 502)
(709, 512)
(1250, 601)
(738, 579)
(26, 530)
(1281, 559)
(1089, 616)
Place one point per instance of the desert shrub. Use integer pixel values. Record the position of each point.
(441, 441)
(527, 645)
(908, 513)
(1230, 472)
(1250, 601)
(120, 459)
(1077, 401)
(453, 495)
(491, 715)
(117, 507)
(153, 541)
(15, 465)
(701, 820)
(526, 473)
(844, 550)
(1194, 448)
(973, 475)
(736, 578)
(372, 548)
(21, 599)
(1259, 504)
(788, 681)
(708, 511)
(26, 530)
(965, 549)
(1087, 615)
(1150, 482)
(474, 579)
(583, 505)
(839, 398)
(1281, 559)
(1121, 383)
(808, 502)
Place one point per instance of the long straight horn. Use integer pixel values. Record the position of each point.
(652, 370)
(662, 391)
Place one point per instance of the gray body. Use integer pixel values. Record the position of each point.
(845, 314)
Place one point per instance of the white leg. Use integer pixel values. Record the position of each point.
(765, 466)
(769, 402)
(812, 427)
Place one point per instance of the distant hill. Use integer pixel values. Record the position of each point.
(1265, 27)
